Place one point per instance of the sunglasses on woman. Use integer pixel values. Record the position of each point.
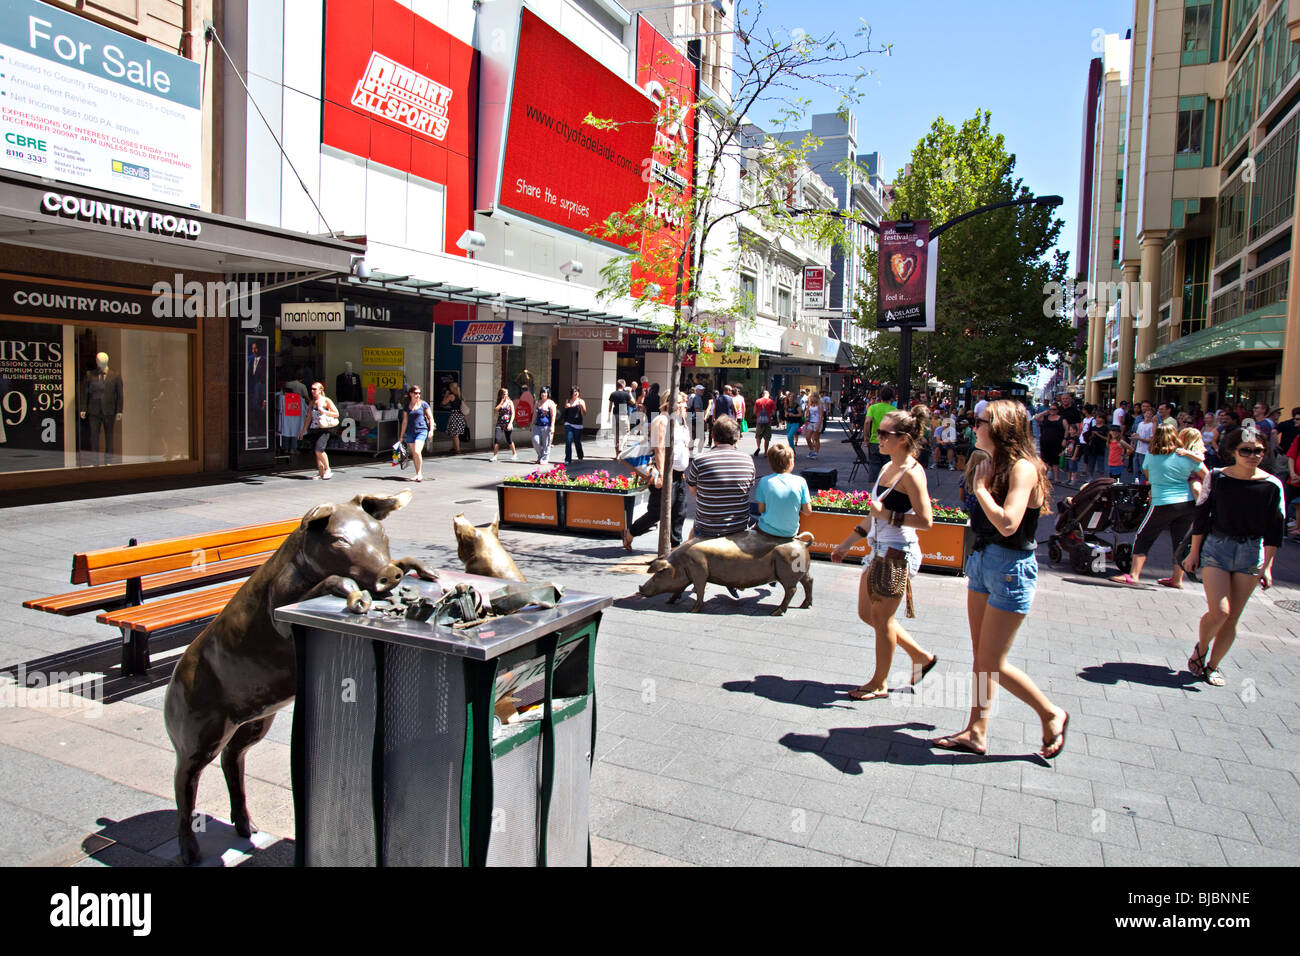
(1251, 451)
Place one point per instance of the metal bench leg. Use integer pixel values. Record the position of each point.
(135, 652)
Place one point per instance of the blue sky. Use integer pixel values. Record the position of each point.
(1025, 61)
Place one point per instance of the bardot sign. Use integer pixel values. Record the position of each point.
(311, 316)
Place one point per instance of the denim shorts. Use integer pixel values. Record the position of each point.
(1235, 557)
(1008, 577)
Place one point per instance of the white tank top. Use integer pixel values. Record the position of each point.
(885, 535)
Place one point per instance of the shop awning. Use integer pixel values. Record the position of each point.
(1258, 332)
(468, 295)
(1106, 374)
(91, 222)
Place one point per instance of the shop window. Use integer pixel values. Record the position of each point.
(79, 397)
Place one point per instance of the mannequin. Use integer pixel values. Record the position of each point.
(348, 385)
(99, 403)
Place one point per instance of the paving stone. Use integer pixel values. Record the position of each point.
(857, 841)
(1160, 782)
(904, 813)
(1045, 782)
(1221, 821)
(912, 850)
(985, 858)
(1096, 823)
(1145, 804)
(775, 853)
(1121, 751)
(981, 832)
(1261, 778)
(947, 793)
(1236, 797)
(637, 856)
(639, 755)
(779, 822)
(1057, 849)
(1127, 857)
(1238, 853)
(1191, 846)
(1018, 808)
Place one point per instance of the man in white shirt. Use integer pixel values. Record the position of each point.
(1143, 433)
(1121, 412)
(982, 404)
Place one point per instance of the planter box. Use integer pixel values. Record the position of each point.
(943, 547)
(577, 510)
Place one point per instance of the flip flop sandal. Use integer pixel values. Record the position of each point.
(1065, 725)
(1123, 579)
(926, 669)
(1169, 583)
(1214, 677)
(960, 746)
(862, 693)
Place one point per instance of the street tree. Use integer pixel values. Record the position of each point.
(995, 316)
(712, 166)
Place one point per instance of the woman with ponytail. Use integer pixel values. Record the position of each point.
(896, 514)
(1002, 573)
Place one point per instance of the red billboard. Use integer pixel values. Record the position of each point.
(902, 277)
(557, 168)
(404, 93)
(668, 78)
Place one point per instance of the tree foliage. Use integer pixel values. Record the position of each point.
(994, 269)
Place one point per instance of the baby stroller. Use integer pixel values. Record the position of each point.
(1101, 506)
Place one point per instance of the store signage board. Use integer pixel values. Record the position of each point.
(726, 360)
(474, 332)
(402, 92)
(814, 287)
(903, 275)
(88, 304)
(587, 333)
(312, 316)
(383, 357)
(84, 104)
(557, 169)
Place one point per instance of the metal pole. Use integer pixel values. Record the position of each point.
(905, 367)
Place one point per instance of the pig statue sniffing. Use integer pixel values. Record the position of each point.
(745, 560)
(241, 669)
(481, 550)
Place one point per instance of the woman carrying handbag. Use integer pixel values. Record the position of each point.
(323, 418)
(895, 551)
(417, 422)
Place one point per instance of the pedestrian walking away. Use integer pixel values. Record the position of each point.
(681, 459)
(505, 412)
(875, 414)
(619, 400)
(793, 419)
(417, 423)
(544, 425)
(764, 413)
(574, 411)
(1011, 490)
(1238, 528)
(890, 530)
(322, 419)
(1173, 503)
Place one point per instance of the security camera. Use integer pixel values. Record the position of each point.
(571, 268)
(470, 240)
(361, 268)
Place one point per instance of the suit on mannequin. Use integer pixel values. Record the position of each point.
(99, 402)
(348, 384)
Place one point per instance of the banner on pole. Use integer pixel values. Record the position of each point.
(903, 275)
(814, 287)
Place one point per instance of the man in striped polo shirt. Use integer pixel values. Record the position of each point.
(721, 480)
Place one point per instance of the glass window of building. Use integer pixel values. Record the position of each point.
(785, 305)
(748, 294)
(1191, 127)
(1197, 32)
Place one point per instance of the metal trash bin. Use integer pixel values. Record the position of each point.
(398, 758)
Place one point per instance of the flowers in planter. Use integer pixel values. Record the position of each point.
(830, 499)
(946, 513)
(557, 477)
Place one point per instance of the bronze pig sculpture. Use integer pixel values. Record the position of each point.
(240, 670)
(745, 560)
(481, 550)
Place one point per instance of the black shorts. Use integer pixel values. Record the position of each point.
(318, 438)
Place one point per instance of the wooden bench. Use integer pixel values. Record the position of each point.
(120, 580)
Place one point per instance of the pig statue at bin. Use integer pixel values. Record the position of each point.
(241, 669)
(481, 550)
(744, 560)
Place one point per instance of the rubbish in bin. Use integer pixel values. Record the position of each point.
(744, 560)
(514, 597)
(481, 550)
(240, 670)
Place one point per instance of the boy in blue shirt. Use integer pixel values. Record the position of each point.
(782, 497)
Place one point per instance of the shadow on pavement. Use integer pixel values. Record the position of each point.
(716, 603)
(1153, 675)
(805, 693)
(94, 671)
(849, 748)
(149, 839)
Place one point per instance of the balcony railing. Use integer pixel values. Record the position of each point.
(1267, 287)
(1242, 11)
(1279, 57)
(1230, 234)
(1272, 200)
(1226, 306)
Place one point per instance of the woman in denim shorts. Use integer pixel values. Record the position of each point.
(1011, 489)
(1239, 526)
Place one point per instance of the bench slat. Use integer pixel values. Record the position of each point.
(184, 562)
(85, 565)
(106, 596)
(157, 615)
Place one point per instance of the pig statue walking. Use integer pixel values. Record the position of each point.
(744, 560)
(481, 550)
(240, 670)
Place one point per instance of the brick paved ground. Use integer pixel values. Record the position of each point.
(725, 737)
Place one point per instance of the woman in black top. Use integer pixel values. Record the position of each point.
(574, 409)
(1239, 525)
(1002, 573)
(1051, 430)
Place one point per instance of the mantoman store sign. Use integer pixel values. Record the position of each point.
(403, 92)
(558, 169)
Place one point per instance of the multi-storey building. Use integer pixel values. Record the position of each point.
(1211, 202)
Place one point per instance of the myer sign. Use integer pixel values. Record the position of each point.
(311, 316)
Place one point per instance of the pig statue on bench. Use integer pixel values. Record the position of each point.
(481, 550)
(241, 669)
(744, 560)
